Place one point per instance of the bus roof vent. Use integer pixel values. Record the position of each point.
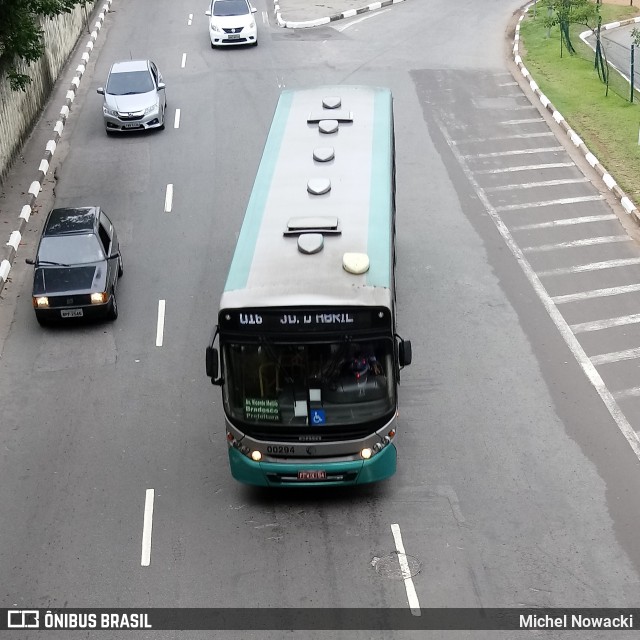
(310, 242)
(328, 126)
(323, 154)
(313, 224)
(318, 186)
(340, 116)
(331, 102)
(356, 263)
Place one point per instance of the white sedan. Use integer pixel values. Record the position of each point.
(232, 22)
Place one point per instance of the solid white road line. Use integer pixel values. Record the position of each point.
(578, 352)
(586, 242)
(627, 393)
(371, 15)
(527, 167)
(412, 596)
(515, 136)
(533, 185)
(176, 120)
(145, 560)
(564, 222)
(548, 203)
(160, 327)
(597, 325)
(515, 152)
(617, 356)
(525, 121)
(596, 293)
(591, 266)
(168, 199)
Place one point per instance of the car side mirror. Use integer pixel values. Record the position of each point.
(404, 353)
(212, 365)
(207, 12)
(29, 260)
(113, 256)
(161, 85)
(100, 90)
(253, 9)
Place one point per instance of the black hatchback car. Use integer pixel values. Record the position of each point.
(77, 266)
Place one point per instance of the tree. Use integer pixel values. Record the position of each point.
(21, 34)
(563, 13)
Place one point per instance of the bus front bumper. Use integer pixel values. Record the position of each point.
(285, 474)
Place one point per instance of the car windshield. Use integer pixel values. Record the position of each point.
(71, 249)
(129, 83)
(230, 8)
(329, 384)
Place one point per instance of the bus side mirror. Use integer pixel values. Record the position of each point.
(404, 352)
(212, 365)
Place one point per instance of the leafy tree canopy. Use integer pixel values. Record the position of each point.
(21, 33)
(563, 13)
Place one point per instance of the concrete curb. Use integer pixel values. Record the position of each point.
(289, 24)
(612, 185)
(36, 186)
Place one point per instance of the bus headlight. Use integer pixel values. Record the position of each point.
(41, 302)
(256, 456)
(366, 453)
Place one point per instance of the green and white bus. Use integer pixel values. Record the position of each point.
(308, 355)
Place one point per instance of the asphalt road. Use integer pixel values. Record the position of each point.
(515, 483)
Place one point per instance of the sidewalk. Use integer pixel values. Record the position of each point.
(310, 13)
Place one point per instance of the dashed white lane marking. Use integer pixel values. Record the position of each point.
(533, 185)
(617, 356)
(190, 19)
(596, 293)
(565, 222)
(597, 325)
(184, 60)
(591, 266)
(168, 199)
(585, 242)
(160, 324)
(548, 203)
(176, 120)
(527, 167)
(145, 560)
(412, 596)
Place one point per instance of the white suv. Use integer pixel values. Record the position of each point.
(232, 22)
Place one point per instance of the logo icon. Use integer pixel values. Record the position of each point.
(23, 619)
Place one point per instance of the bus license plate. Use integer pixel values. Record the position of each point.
(312, 475)
(71, 313)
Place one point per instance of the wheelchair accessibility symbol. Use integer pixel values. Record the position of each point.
(318, 416)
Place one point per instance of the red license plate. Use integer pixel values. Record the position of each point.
(312, 475)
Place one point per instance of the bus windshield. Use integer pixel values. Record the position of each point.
(333, 384)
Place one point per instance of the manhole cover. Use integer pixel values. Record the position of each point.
(397, 566)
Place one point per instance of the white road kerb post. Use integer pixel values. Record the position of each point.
(15, 236)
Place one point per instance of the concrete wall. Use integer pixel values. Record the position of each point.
(20, 109)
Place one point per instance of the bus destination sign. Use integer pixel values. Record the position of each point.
(303, 320)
